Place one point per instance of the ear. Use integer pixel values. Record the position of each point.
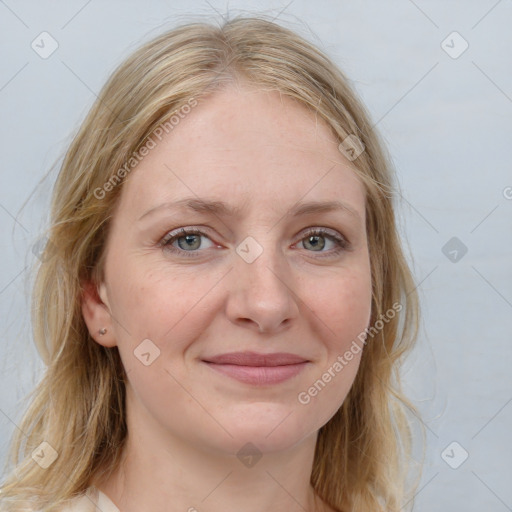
(96, 313)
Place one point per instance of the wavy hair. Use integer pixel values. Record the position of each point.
(363, 453)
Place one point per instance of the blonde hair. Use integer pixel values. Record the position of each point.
(363, 453)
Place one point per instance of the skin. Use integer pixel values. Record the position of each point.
(186, 422)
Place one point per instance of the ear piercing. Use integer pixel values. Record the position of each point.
(102, 331)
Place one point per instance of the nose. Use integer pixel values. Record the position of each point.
(261, 294)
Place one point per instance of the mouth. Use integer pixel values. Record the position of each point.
(258, 369)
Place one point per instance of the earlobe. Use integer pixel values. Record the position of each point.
(96, 314)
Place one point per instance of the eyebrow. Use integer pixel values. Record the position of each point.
(223, 209)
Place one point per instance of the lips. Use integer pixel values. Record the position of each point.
(257, 369)
(256, 359)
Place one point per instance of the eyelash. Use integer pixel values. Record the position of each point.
(341, 242)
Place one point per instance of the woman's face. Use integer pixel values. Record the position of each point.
(256, 276)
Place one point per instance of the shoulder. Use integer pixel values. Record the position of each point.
(84, 503)
(91, 501)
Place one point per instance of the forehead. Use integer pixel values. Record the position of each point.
(245, 146)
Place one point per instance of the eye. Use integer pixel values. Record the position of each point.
(315, 238)
(188, 241)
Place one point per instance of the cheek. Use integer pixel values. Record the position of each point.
(342, 310)
(154, 300)
(170, 308)
(343, 305)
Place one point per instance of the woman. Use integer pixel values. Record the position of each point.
(223, 302)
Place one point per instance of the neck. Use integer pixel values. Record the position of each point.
(163, 473)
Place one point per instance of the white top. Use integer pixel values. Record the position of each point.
(92, 501)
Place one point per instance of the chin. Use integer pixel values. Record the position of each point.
(247, 442)
(269, 429)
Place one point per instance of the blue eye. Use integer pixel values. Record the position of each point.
(313, 236)
(189, 242)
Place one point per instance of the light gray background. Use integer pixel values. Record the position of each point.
(446, 121)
